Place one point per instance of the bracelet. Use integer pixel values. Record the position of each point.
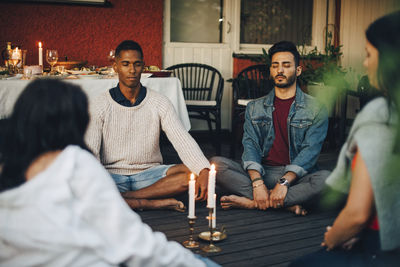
(257, 185)
(257, 179)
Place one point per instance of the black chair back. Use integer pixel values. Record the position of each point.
(199, 81)
(202, 87)
(252, 82)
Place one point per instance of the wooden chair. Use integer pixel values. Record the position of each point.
(202, 87)
(251, 83)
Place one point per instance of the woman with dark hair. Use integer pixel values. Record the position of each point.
(367, 230)
(48, 116)
(58, 205)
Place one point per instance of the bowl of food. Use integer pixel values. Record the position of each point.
(73, 64)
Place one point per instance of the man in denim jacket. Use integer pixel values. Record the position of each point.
(283, 136)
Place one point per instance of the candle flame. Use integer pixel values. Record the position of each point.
(40, 44)
(213, 167)
(191, 177)
(16, 49)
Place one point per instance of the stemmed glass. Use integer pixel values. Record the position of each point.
(15, 56)
(51, 58)
(111, 58)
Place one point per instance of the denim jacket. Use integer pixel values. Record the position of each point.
(307, 125)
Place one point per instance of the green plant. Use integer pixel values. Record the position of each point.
(266, 58)
(323, 68)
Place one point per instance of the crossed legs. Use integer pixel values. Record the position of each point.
(232, 178)
(159, 194)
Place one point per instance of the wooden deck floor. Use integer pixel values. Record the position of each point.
(254, 238)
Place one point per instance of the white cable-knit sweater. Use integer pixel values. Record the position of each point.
(126, 139)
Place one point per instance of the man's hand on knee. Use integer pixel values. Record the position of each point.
(201, 185)
(277, 196)
(260, 195)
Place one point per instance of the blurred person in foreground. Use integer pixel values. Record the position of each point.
(58, 205)
(124, 134)
(367, 230)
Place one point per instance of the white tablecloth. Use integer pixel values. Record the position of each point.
(170, 87)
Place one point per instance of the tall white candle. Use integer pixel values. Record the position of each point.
(214, 216)
(40, 54)
(211, 187)
(191, 197)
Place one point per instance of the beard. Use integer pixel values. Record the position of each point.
(289, 81)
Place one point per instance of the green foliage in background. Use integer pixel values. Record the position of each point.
(328, 70)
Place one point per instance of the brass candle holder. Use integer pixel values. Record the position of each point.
(191, 243)
(211, 248)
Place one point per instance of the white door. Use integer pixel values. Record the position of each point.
(211, 46)
(186, 42)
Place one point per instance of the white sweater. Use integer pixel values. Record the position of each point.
(126, 139)
(72, 214)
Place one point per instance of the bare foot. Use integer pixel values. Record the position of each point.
(152, 204)
(297, 209)
(233, 201)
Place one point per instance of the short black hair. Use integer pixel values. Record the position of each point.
(49, 115)
(128, 45)
(285, 46)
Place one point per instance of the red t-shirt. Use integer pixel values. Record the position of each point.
(278, 155)
(373, 224)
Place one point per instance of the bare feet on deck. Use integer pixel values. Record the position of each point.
(297, 209)
(233, 201)
(152, 204)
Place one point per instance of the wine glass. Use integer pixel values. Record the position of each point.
(111, 58)
(14, 58)
(51, 58)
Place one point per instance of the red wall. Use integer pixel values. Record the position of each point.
(239, 64)
(83, 32)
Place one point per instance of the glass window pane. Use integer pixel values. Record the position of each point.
(271, 21)
(196, 21)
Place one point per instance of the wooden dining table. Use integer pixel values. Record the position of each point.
(171, 87)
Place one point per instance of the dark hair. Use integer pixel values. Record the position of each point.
(128, 45)
(49, 115)
(285, 46)
(384, 35)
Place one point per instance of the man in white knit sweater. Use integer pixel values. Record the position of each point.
(124, 133)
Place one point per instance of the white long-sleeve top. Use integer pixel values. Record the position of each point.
(72, 214)
(127, 139)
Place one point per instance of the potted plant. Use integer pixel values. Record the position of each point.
(322, 75)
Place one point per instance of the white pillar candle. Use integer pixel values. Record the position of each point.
(211, 187)
(40, 54)
(214, 216)
(191, 197)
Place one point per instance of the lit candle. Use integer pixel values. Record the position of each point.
(214, 216)
(211, 187)
(40, 54)
(192, 183)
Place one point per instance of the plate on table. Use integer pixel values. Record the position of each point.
(146, 75)
(89, 76)
(81, 72)
(161, 73)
